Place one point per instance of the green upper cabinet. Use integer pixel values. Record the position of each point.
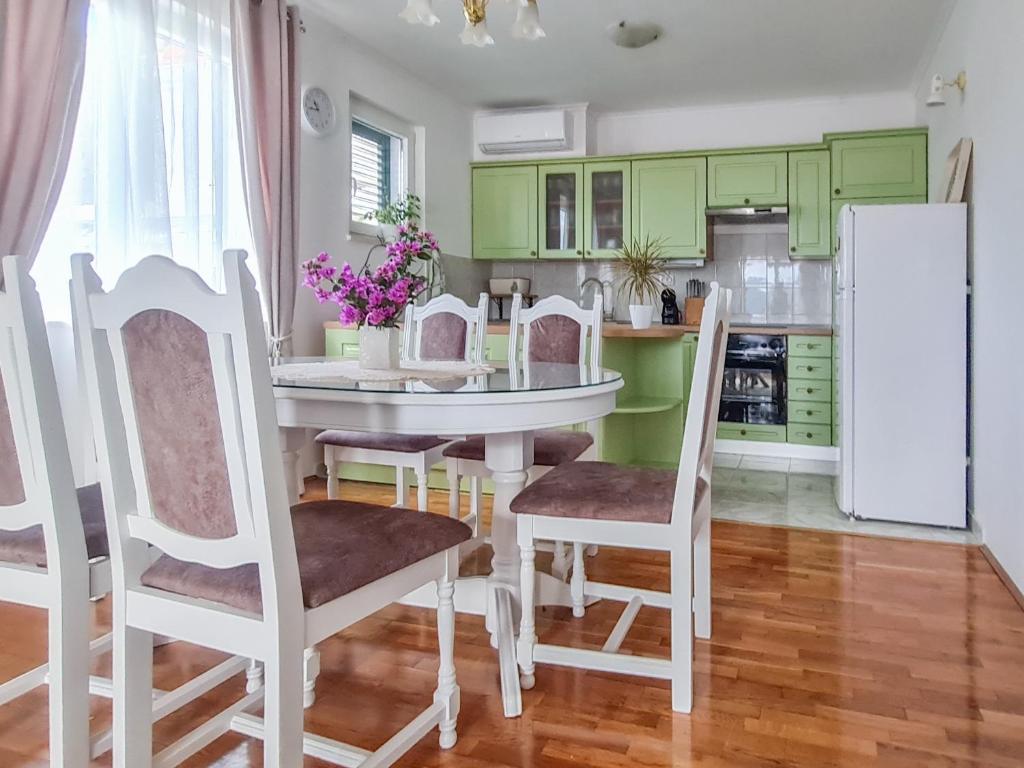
(810, 199)
(669, 198)
(607, 220)
(505, 212)
(880, 166)
(561, 211)
(739, 180)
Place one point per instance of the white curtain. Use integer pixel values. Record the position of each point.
(155, 164)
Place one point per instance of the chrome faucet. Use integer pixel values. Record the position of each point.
(604, 286)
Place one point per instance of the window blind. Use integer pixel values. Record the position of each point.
(371, 169)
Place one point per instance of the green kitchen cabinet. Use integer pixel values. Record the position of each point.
(880, 166)
(837, 206)
(759, 433)
(810, 201)
(340, 342)
(561, 211)
(740, 180)
(496, 348)
(505, 212)
(607, 220)
(669, 200)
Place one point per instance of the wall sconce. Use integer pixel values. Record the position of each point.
(936, 98)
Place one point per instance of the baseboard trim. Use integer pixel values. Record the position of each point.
(1003, 576)
(777, 450)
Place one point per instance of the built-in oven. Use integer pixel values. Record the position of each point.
(754, 383)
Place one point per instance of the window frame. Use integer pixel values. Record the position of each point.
(401, 178)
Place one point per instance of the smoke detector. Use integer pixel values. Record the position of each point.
(626, 34)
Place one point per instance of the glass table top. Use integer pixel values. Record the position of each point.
(301, 373)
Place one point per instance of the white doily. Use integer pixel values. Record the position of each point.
(421, 370)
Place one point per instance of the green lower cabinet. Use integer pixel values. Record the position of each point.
(809, 346)
(810, 205)
(809, 413)
(809, 434)
(760, 433)
(809, 368)
(810, 391)
(496, 348)
(341, 342)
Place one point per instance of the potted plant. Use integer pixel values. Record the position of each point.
(374, 300)
(643, 267)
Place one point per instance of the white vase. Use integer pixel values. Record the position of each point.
(379, 348)
(641, 315)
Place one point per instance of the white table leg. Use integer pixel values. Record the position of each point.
(292, 441)
(508, 456)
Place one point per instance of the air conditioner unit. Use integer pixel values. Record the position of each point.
(535, 131)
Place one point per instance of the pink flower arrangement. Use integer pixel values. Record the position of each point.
(379, 297)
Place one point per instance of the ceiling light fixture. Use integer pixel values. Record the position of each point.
(936, 97)
(628, 35)
(527, 25)
(420, 12)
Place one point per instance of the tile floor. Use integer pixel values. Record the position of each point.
(763, 491)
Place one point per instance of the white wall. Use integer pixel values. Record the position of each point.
(984, 38)
(756, 124)
(341, 65)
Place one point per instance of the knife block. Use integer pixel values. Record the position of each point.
(693, 308)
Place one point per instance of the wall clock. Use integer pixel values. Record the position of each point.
(318, 111)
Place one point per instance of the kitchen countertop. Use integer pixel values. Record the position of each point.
(659, 331)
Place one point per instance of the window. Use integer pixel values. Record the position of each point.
(382, 155)
(155, 166)
(372, 169)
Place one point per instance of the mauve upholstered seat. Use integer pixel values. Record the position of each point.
(341, 546)
(595, 490)
(380, 441)
(551, 447)
(28, 546)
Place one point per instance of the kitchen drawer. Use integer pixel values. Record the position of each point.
(810, 413)
(762, 433)
(809, 368)
(809, 346)
(809, 434)
(805, 390)
(341, 342)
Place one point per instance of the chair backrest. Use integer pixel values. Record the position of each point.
(555, 330)
(179, 389)
(697, 454)
(445, 328)
(36, 481)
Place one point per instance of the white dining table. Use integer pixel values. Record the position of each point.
(507, 407)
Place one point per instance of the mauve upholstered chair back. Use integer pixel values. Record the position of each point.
(36, 480)
(697, 454)
(556, 330)
(179, 427)
(446, 328)
(182, 406)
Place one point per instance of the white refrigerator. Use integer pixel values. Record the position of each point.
(901, 333)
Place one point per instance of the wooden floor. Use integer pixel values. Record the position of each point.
(828, 650)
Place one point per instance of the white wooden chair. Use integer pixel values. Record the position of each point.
(445, 328)
(54, 551)
(651, 509)
(190, 464)
(554, 330)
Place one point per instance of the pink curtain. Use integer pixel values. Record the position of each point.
(263, 39)
(42, 61)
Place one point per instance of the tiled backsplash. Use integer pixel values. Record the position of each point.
(768, 287)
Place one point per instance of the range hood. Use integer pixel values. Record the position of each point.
(775, 214)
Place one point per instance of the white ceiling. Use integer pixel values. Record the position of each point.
(711, 52)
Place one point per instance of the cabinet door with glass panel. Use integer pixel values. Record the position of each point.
(561, 211)
(607, 221)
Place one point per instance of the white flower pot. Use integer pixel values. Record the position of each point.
(379, 348)
(641, 315)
